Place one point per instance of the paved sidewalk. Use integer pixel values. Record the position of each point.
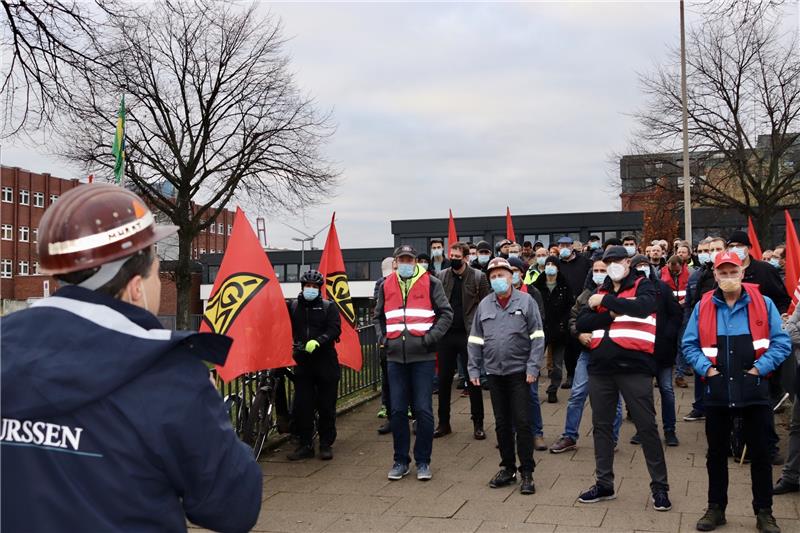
(351, 493)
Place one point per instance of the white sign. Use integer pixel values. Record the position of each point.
(46, 288)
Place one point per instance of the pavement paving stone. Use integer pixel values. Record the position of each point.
(567, 516)
(361, 523)
(440, 525)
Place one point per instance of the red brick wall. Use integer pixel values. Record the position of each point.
(169, 295)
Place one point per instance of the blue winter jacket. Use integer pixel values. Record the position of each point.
(735, 388)
(110, 423)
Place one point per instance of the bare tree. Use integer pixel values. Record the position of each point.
(212, 112)
(744, 117)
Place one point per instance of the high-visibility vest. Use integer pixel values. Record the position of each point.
(628, 332)
(757, 316)
(679, 288)
(413, 314)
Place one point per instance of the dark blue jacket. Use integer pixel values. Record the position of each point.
(110, 423)
(735, 356)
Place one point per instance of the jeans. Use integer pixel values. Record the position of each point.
(453, 348)
(577, 401)
(537, 424)
(637, 390)
(681, 366)
(511, 404)
(411, 383)
(791, 470)
(718, 429)
(664, 380)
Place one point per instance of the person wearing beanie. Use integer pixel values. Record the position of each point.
(424, 261)
(484, 254)
(558, 300)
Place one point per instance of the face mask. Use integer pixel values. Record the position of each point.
(513, 254)
(456, 264)
(704, 257)
(472, 257)
(437, 252)
(405, 270)
(598, 277)
(775, 262)
(616, 271)
(483, 259)
(423, 266)
(310, 293)
(550, 270)
(500, 285)
(594, 245)
(730, 285)
(712, 256)
(645, 269)
(631, 250)
(565, 252)
(515, 279)
(738, 250)
(540, 261)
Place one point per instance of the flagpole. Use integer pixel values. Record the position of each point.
(687, 195)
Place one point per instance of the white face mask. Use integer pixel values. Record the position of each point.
(645, 269)
(616, 271)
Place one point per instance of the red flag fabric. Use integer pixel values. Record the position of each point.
(755, 248)
(792, 262)
(452, 236)
(337, 289)
(510, 227)
(247, 305)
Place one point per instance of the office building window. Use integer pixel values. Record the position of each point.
(53, 198)
(221, 228)
(7, 232)
(230, 229)
(280, 272)
(38, 199)
(357, 270)
(36, 267)
(23, 268)
(202, 251)
(24, 197)
(35, 235)
(8, 195)
(213, 251)
(23, 233)
(292, 272)
(6, 268)
(211, 228)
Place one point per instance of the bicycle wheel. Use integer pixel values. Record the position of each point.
(261, 421)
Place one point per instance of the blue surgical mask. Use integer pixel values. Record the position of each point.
(483, 259)
(540, 261)
(499, 285)
(550, 270)
(631, 250)
(513, 254)
(515, 279)
(405, 270)
(739, 250)
(472, 257)
(310, 293)
(437, 252)
(565, 252)
(704, 257)
(594, 245)
(423, 266)
(644, 269)
(598, 277)
(775, 262)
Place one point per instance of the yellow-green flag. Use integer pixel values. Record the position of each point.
(118, 149)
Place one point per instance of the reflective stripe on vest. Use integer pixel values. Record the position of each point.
(757, 317)
(628, 332)
(415, 314)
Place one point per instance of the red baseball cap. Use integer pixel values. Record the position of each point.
(727, 257)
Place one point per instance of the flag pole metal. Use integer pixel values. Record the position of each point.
(687, 195)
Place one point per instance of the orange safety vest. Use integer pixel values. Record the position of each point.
(628, 332)
(679, 288)
(757, 317)
(414, 314)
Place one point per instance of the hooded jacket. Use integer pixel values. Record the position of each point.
(110, 423)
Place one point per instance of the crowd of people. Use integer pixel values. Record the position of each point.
(110, 422)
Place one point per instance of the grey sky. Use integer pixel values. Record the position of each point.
(465, 106)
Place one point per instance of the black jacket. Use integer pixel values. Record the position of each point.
(769, 281)
(609, 357)
(669, 317)
(556, 308)
(315, 320)
(575, 272)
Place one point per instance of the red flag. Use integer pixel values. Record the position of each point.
(337, 289)
(510, 227)
(247, 304)
(755, 248)
(792, 254)
(452, 236)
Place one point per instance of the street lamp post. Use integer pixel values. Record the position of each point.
(302, 250)
(687, 195)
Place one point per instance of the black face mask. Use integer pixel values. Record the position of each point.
(456, 264)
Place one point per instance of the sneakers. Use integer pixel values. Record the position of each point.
(538, 443)
(694, 415)
(527, 486)
(564, 444)
(442, 430)
(680, 382)
(671, 439)
(661, 501)
(503, 477)
(715, 516)
(302, 452)
(477, 430)
(325, 453)
(385, 429)
(382, 412)
(424, 472)
(765, 522)
(785, 487)
(636, 439)
(398, 471)
(597, 494)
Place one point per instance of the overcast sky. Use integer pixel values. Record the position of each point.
(465, 106)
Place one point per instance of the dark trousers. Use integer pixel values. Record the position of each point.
(386, 396)
(453, 347)
(756, 420)
(558, 350)
(571, 354)
(637, 391)
(316, 389)
(412, 384)
(511, 405)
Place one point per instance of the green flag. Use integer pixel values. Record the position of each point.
(118, 149)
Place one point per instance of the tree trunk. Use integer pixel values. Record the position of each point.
(762, 222)
(183, 280)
